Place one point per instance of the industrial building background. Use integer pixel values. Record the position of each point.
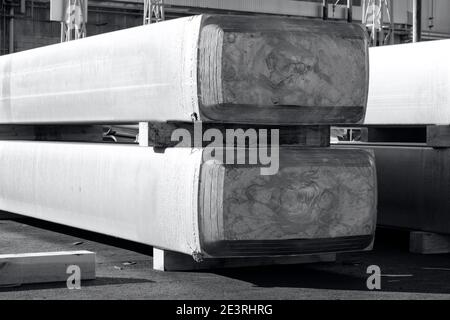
(27, 25)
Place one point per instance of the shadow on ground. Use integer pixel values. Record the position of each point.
(401, 271)
(100, 281)
(79, 233)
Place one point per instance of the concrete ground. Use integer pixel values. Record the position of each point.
(124, 271)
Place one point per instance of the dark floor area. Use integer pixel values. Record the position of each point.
(124, 271)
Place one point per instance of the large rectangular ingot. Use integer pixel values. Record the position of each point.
(234, 69)
(320, 200)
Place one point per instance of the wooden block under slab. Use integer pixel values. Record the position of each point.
(428, 243)
(396, 134)
(160, 134)
(42, 267)
(164, 260)
(438, 136)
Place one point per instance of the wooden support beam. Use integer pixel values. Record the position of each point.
(428, 243)
(18, 269)
(143, 134)
(396, 134)
(438, 136)
(164, 260)
(159, 134)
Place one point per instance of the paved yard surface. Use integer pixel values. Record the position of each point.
(124, 271)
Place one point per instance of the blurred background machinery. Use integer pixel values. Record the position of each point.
(27, 24)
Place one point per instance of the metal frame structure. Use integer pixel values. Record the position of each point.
(153, 11)
(349, 9)
(373, 17)
(417, 21)
(75, 18)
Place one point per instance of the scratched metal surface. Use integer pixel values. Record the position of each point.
(154, 197)
(123, 191)
(402, 91)
(276, 70)
(282, 70)
(137, 74)
(316, 194)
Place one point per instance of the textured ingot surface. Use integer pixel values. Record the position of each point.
(333, 197)
(174, 200)
(233, 69)
(291, 70)
(317, 194)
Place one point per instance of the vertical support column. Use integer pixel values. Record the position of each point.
(143, 134)
(22, 7)
(381, 32)
(159, 255)
(392, 26)
(1, 33)
(374, 28)
(363, 12)
(417, 20)
(350, 10)
(63, 32)
(325, 9)
(11, 30)
(158, 259)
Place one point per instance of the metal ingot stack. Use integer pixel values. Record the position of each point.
(210, 72)
(408, 124)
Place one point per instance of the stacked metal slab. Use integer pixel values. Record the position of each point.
(222, 72)
(410, 92)
(409, 84)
